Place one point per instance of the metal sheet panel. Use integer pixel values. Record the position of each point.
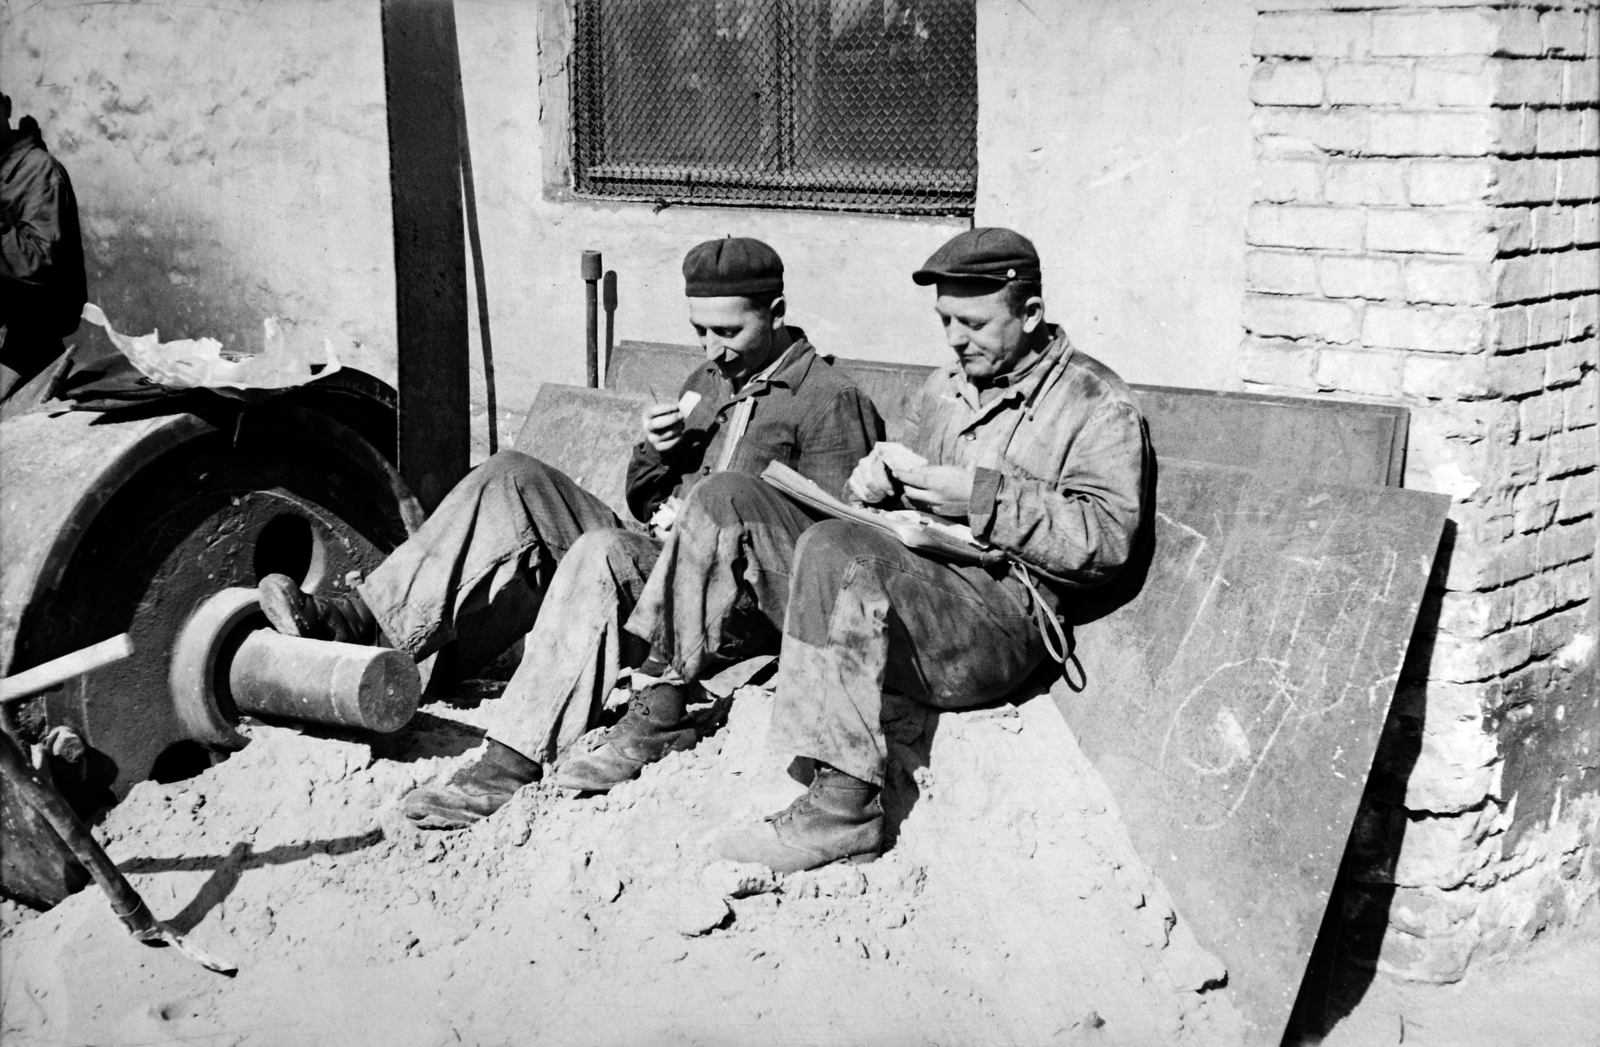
(1234, 704)
(587, 434)
(1296, 439)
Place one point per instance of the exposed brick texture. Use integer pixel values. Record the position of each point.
(1427, 232)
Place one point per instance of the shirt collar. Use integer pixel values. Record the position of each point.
(788, 370)
(1025, 383)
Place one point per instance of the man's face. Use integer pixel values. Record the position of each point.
(979, 325)
(736, 335)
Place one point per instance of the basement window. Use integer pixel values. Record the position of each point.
(857, 105)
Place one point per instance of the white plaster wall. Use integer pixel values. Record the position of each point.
(230, 160)
(231, 164)
(847, 276)
(1116, 133)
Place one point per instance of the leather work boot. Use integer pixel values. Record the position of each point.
(474, 792)
(342, 617)
(655, 724)
(839, 818)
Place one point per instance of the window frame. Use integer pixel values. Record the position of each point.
(771, 181)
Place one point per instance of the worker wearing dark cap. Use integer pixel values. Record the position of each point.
(517, 535)
(1038, 449)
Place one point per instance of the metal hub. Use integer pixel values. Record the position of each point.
(161, 521)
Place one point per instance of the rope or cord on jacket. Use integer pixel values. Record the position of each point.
(1051, 631)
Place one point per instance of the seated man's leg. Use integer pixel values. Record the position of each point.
(569, 664)
(865, 615)
(504, 526)
(717, 593)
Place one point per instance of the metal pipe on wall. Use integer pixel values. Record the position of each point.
(591, 268)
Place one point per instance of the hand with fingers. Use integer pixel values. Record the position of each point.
(664, 423)
(663, 426)
(873, 480)
(942, 489)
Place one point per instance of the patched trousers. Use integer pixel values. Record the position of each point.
(519, 549)
(695, 604)
(859, 614)
(866, 615)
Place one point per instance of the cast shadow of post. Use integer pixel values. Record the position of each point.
(227, 868)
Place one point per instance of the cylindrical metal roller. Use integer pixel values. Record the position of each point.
(343, 684)
(133, 526)
(227, 662)
(130, 527)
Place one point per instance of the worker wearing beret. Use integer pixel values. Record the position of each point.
(516, 536)
(1036, 447)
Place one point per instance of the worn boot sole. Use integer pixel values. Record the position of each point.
(608, 766)
(441, 807)
(761, 844)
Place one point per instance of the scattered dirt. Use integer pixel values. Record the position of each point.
(1011, 910)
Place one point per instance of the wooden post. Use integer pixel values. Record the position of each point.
(422, 73)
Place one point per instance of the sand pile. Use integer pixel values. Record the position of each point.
(1011, 910)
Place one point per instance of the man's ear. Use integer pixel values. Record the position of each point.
(1032, 314)
(778, 307)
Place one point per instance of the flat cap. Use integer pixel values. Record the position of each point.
(985, 253)
(733, 265)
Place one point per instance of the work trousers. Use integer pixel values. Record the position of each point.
(514, 536)
(518, 548)
(717, 594)
(867, 615)
(613, 602)
(859, 614)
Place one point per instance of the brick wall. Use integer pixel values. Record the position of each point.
(1426, 231)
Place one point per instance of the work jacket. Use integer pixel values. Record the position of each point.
(42, 285)
(807, 415)
(1059, 457)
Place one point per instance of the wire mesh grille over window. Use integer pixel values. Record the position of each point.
(863, 105)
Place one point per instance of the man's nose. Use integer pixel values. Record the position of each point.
(955, 336)
(717, 351)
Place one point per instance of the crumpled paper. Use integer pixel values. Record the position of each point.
(192, 363)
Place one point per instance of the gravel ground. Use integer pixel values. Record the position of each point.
(1012, 908)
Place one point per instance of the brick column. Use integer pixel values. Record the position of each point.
(1425, 232)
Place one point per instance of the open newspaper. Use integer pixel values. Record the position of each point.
(919, 531)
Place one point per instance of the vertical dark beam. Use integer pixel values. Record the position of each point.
(422, 75)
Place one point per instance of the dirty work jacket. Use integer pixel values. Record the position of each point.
(807, 415)
(1059, 457)
(42, 285)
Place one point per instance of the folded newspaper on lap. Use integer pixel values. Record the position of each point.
(918, 531)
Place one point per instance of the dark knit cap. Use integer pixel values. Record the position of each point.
(986, 253)
(734, 265)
